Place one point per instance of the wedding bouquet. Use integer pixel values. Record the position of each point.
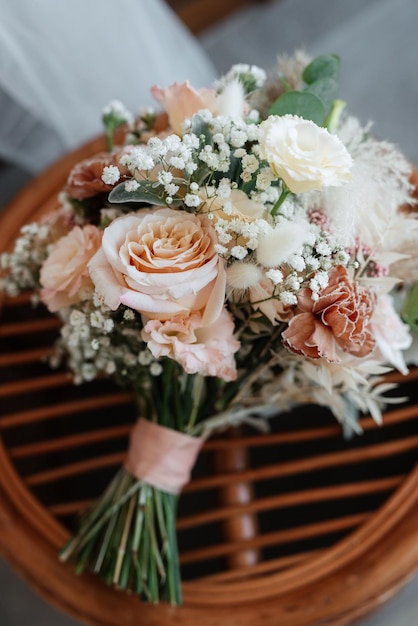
(227, 258)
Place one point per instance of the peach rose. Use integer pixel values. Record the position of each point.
(161, 262)
(85, 179)
(182, 101)
(340, 317)
(201, 350)
(64, 275)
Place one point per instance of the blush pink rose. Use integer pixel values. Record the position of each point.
(201, 350)
(182, 101)
(162, 263)
(339, 318)
(64, 275)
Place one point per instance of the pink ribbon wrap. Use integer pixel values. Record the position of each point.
(160, 456)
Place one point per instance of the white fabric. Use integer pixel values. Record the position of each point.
(62, 61)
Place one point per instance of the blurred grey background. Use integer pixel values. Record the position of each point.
(378, 44)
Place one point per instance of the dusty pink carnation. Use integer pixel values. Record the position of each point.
(201, 350)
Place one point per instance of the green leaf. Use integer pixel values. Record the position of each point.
(326, 89)
(324, 66)
(301, 103)
(146, 193)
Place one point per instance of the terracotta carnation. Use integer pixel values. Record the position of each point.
(339, 318)
(85, 179)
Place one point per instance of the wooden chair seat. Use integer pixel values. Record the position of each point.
(294, 527)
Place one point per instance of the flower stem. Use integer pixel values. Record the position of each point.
(331, 122)
(134, 546)
(124, 540)
(169, 502)
(285, 192)
(197, 393)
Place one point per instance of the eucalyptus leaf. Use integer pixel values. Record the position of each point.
(326, 89)
(146, 193)
(301, 103)
(324, 66)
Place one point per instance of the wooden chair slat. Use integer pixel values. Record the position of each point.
(310, 464)
(296, 498)
(276, 538)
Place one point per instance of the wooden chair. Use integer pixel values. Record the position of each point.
(295, 527)
(199, 15)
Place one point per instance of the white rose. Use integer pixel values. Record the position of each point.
(304, 155)
(161, 262)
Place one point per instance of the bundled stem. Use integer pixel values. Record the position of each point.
(129, 539)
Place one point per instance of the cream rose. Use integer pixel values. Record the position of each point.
(64, 275)
(161, 262)
(305, 156)
(199, 350)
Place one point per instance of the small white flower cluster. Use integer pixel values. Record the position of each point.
(236, 131)
(118, 111)
(157, 163)
(110, 175)
(96, 341)
(22, 265)
(243, 234)
(138, 158)
(251, 76)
